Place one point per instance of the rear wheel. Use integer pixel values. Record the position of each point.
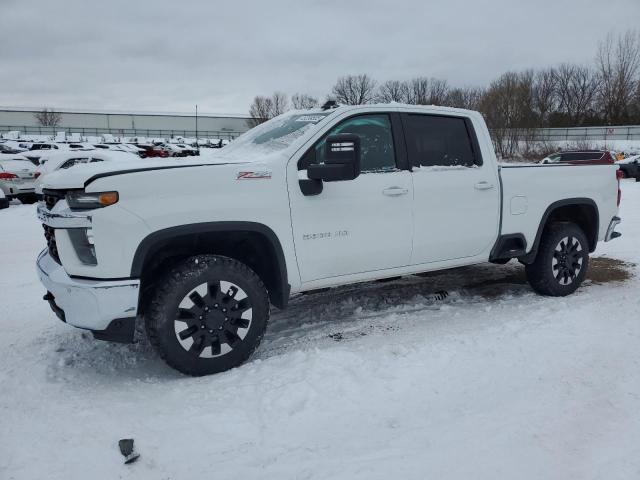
(561, 262)
(208, 315)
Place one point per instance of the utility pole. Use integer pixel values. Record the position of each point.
(197, 146)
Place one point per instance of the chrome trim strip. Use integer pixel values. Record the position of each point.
(62, 216)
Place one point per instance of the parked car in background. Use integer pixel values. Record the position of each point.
(4, 201)
(6, 149)
(580, 157)
(18, 145)
(17, 178)
(188, 149)
(38, 150)
(173, 149)
(630, 167)
(152, 151)
(64, 160)
(79, 146)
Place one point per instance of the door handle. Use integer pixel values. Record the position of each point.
(483, 186)
(395, 191)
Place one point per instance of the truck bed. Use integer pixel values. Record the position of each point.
(530, 190)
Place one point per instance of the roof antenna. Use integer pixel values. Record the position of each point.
(329, 104)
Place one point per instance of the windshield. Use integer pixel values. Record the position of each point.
(278, 133)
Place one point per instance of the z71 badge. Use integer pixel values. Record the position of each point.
(262, 174)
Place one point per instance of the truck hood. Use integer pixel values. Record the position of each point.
(77, 176)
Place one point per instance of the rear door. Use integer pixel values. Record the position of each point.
(456, 194)
(359, 225)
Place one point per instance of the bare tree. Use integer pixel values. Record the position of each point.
(427, 91)
(545, 94)
(636, 105)
(438, 90)
(577, 86)
(467, 97)
(260, 110)
(265, 108)
(508, 110)
(392, 91)
(354, 89)
(302, 101)
(280, 104)
(48, 118)
(418, 91)
(618, 63)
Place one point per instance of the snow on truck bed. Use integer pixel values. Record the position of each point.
(379, 381)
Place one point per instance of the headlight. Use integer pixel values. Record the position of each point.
(89, 201)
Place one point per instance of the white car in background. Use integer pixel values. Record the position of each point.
(173, 149)
(18, 145)
(17, 178)
(65, 160)
(119, 147)
(4, 201)
(41, 149)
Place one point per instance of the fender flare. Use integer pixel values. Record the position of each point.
(529, 257)
(279, 298)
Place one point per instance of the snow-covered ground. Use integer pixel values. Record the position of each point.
(378, 381)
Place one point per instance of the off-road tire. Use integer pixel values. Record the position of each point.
(176, 284)
(545, 277)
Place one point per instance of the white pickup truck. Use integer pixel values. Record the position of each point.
(198, 250)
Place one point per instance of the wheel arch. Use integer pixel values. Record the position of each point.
(252, 243)
(582, 211)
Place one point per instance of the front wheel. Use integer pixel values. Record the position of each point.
(561, 262)
(207, 315)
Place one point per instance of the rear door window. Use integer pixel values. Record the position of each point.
(436, 140)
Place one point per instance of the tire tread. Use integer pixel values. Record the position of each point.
(172, 280)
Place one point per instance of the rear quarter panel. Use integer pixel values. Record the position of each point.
(528, 190)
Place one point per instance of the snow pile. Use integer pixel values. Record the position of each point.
(376, 381)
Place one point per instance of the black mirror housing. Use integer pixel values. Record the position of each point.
(342, 159)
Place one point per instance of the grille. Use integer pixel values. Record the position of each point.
(51, 242)
(51, 197)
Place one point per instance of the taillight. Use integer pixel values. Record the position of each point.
(619, 176)
(7, 176)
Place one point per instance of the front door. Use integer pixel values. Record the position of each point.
(359, 225)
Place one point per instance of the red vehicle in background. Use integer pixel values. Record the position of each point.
(580, 157)
(152, 151)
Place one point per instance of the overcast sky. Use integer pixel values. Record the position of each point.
(167, 55)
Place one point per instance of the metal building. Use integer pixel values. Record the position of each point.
(129, 124)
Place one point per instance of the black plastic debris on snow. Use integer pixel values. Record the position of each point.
(127, 450)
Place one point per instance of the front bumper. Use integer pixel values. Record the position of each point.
(92, 304)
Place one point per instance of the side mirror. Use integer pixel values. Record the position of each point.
(342, 159)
